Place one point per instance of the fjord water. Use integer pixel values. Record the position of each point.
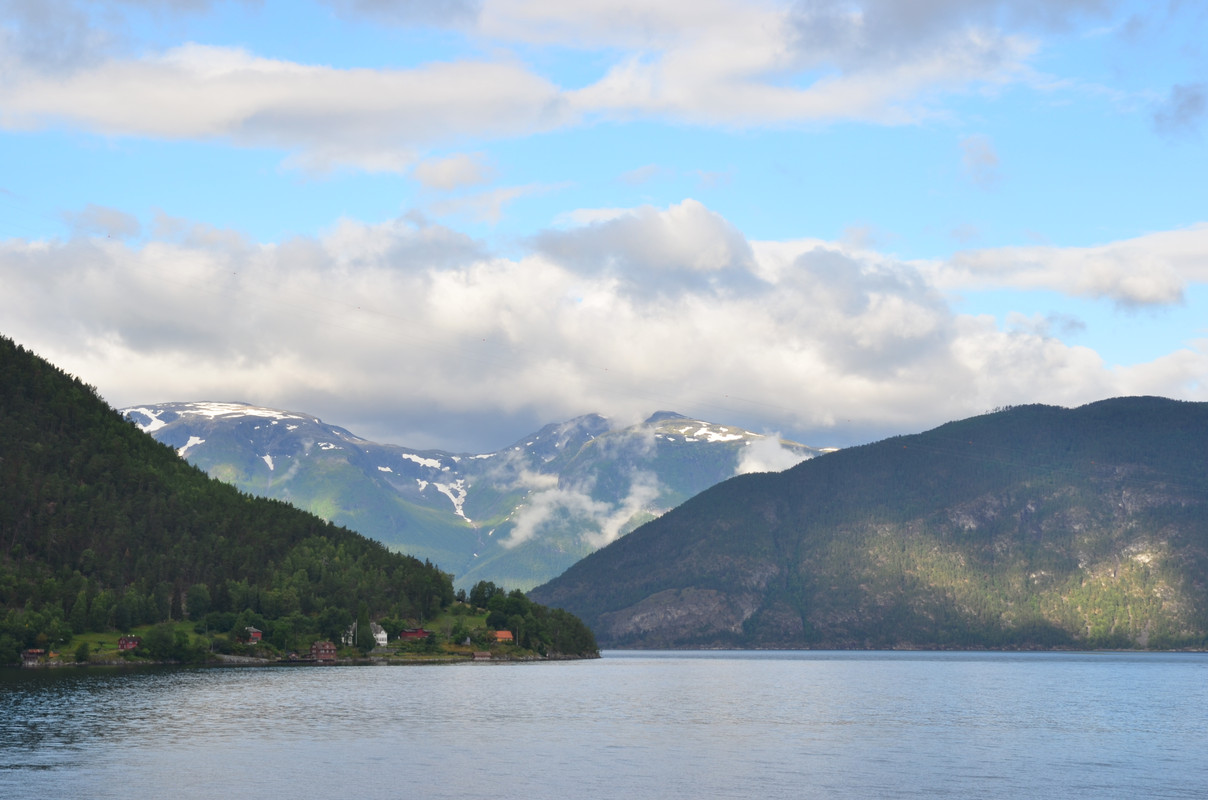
(631, 725)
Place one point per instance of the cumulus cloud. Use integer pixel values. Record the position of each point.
(684, 244)
(396, 329)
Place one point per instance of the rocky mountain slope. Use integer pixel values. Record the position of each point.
(516, 517)
(1030, 527)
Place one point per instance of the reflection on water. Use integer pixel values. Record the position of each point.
(631, 725)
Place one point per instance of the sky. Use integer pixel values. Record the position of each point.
(446, 223)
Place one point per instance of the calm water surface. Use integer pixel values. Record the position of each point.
(630, 725)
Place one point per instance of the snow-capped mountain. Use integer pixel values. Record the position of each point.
(518, 517)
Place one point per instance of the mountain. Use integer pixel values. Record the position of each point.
(1031, 527)
(516, 517)
(103, 528)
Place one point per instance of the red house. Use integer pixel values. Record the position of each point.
(128, 642)
(505, 637)
(411, 634)
(323, 651)
(253, 635)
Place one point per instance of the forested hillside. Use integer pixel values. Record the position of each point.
(1034, 526)
(103, 528)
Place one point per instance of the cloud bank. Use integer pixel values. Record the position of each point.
(388, 328)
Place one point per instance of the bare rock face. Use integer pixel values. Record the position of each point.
(675, 613)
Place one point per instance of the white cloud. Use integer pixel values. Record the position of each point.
(767, 455)
(1149, 270)
(389, 328)
(597, 522)
(372, 119)
(713, 62)
(686, 238)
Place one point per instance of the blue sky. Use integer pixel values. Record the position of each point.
(445, 223)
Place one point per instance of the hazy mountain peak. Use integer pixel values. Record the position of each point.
(659, 416)
(517, 516)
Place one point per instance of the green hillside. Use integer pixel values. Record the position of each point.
(102, 529)
(1030, 527)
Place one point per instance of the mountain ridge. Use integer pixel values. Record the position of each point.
(1033, 526)
(516, 517)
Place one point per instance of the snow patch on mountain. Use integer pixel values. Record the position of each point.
(456, 492)
(423, 462)
(154, 421)
(215, 410)
(723, 435)
(193, 442)
(268, 460)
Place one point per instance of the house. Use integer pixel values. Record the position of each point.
(482, 655)
(413, 634)
(323, 651)
(128, 642)
(32, 656)
(505, 637)
(380, 637)
(253, 635)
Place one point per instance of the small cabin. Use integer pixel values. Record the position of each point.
(128, 642)
(505, 637)
(253, 635)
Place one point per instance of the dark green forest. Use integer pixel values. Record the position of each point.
(104, 529)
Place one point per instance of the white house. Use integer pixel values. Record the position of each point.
(379, 634)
